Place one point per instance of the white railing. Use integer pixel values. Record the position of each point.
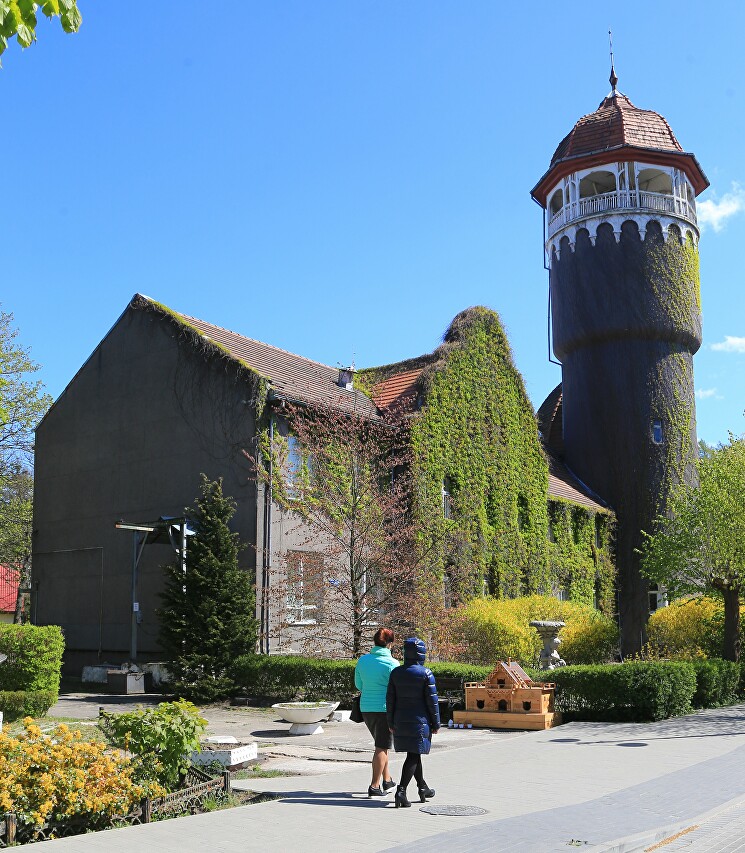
(621, 200)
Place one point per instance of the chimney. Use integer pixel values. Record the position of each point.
(346, 378)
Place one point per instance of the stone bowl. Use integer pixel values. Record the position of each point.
(305, 713)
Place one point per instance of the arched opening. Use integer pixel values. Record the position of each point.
(673, 233)
(502, 705)
(557, 202)
(655, 181)
(597, 183)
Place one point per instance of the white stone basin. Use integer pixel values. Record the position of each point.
(305, 712)
(305, 716)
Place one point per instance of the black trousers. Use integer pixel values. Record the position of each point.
(412, 767)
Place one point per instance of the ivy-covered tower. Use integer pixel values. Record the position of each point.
(621, 244)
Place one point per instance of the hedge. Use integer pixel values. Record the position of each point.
(717, 683)
(15, 704)
(629, 692)
(34, 657)
(287, 677)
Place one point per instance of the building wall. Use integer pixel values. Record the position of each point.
(128, 439)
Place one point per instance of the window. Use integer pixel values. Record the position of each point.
(657, 436)
(447, 500)
(305, 587)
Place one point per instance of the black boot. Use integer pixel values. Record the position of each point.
(426, 793)
(401, 800)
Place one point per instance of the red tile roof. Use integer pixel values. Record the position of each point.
(291, 376)
(630, 133)
(614, 123)
(399, 388)
(9, 579)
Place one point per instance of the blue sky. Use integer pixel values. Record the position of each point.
(339, 179)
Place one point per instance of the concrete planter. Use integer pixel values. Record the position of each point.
(305, 716)
(226, 751)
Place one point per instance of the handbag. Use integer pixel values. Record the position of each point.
(356, 715)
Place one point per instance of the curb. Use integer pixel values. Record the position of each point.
(642, 840)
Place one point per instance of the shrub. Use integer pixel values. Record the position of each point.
(58, 776)
(498, 629)
(687, 629)
(717, 683)
(288, 677)
(15, 704)
(630, 692)
(34, 657)
(161, 738)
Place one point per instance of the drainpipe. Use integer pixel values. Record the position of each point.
(267, 544)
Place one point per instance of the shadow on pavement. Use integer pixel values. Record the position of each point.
(333, 798)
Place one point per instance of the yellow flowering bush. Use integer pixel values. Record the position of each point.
(60, 776)
(497, 629)
(687, 629)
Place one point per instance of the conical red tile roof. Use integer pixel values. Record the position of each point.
(614, 123)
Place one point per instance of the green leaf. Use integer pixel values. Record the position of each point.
(25, 35)
(50, 8)
(71, 20)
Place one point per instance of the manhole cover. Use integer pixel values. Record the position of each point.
(454, 811)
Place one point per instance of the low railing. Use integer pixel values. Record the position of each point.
(621, 200)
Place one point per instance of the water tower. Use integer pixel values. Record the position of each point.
(621, 244)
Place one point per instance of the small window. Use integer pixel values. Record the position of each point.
(599, 530)
(657, 436)
(305, 587)
(447, 500)
(294, 465)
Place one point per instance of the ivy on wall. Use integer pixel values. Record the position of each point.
(476, 436)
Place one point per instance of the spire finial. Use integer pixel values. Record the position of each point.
(613, 79)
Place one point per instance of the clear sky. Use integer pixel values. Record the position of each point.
(339, 179)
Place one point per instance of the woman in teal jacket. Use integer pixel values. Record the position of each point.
(371, 679)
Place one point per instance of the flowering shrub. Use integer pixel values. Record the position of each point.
(687, 629)
(161, 738)
(57, 776)
(498, 629)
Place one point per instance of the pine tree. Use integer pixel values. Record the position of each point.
(208, 614)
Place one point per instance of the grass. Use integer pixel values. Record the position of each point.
(87, 727)
(257, 772)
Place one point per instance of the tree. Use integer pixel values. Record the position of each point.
(22, 405)
(207, 618)
(353, 558)
(18, 18)
(16, 512)
(700, 547)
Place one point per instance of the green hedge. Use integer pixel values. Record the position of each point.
(287, 677)
(717, 683)
(629, 692)
(34, 657)
(635, 691)
(15, 704)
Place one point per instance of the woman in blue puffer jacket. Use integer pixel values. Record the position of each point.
(413, 717)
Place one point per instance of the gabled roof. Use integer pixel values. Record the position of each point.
(290, 376)
(562, 483)
(9, 580)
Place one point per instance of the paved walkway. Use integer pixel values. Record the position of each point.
(590, 786)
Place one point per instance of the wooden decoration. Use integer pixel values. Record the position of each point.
(509, 699)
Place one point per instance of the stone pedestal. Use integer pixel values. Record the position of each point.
(549, 633)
